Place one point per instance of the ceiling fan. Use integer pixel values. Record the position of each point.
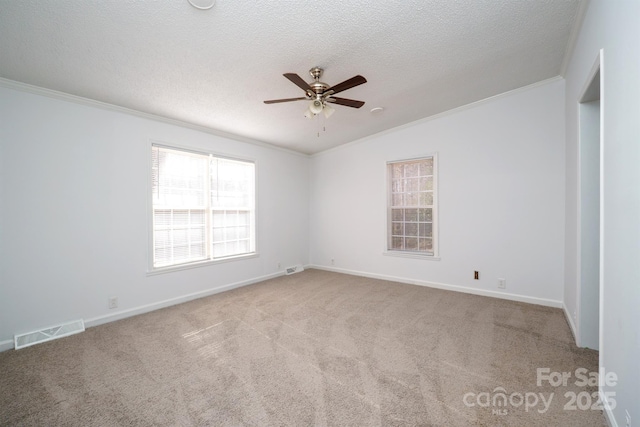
(320, 94)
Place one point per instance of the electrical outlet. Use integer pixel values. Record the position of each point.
(333, 261)
(502, 283)
(279, 266)
(476, 275)
(113, 303)
(627, 418)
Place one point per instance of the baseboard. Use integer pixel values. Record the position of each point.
(572, 324)
(6, 345)
(464, 289)
(112, 317)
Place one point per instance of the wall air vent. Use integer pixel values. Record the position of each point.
(48, 334)
(295, 269)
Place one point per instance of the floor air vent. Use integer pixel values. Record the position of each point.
(48, 334)
(295, 269)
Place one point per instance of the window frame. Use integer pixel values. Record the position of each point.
(151, 269)
(435, 256)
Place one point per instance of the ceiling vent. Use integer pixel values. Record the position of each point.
(48, 334)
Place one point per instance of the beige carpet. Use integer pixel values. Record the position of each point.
(314, 348)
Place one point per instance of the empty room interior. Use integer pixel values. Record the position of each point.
(320, 213)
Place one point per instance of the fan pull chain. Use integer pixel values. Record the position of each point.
(322, 125)
(324, 128)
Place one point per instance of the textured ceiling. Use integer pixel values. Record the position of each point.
(215, 67)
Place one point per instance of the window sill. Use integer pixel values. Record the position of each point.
(414, 255)
(171, 268)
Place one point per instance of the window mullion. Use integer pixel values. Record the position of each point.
(171, 235)
(208, 212)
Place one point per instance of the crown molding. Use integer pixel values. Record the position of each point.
(444, 114)
(62, 96)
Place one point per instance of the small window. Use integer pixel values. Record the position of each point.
(203, 207)
(412, 206)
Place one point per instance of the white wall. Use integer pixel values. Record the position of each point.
(74, 214)
(612, 26)
(501, 184)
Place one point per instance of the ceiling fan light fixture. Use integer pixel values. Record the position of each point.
(316, 106)
(327, 111)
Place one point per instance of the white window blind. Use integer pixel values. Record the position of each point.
(203, 206)
(412, 206)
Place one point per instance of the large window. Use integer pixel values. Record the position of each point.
(412, 206)
(203, 207)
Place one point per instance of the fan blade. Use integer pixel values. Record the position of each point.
(275, 101)
(297, 80)
(348, 84)
(348, 102)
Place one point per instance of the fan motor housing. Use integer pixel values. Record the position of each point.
(319, 87)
